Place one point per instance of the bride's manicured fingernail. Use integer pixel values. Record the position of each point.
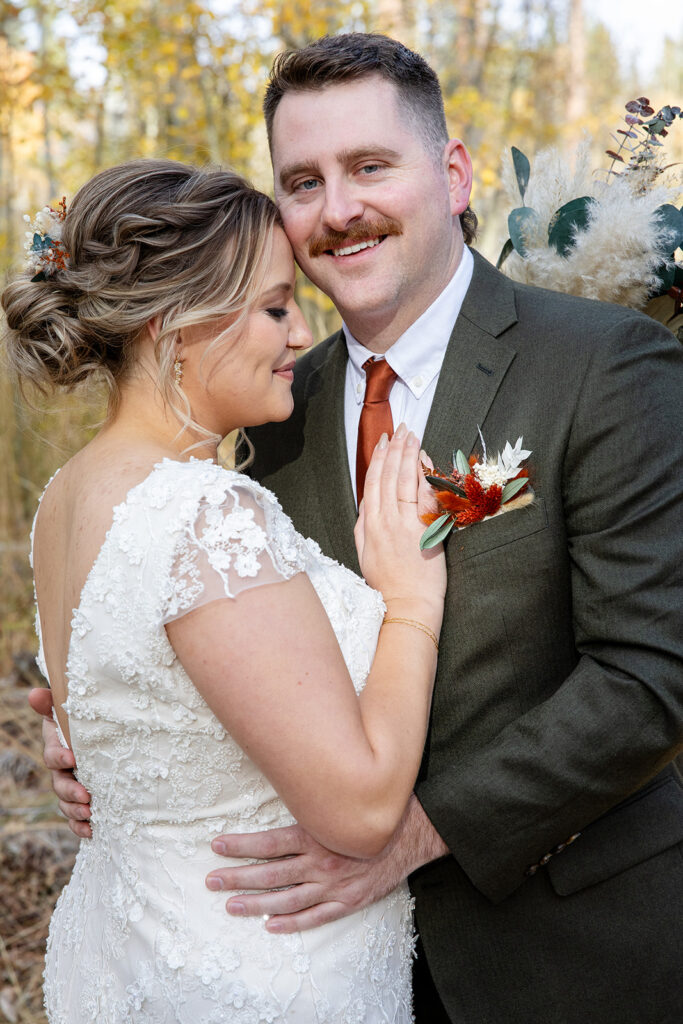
(273, 926)
(411, 440)
(383, 441)
(214, 884)
(236, 909)
(218, 847)
(400, 432)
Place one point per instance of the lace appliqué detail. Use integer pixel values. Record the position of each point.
(136, 938)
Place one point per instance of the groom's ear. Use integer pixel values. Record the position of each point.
(458, 166)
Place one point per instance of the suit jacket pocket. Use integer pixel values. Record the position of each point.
(502, 529)
(641, 827)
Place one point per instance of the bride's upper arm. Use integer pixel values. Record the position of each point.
(269, 666)
(248, 627)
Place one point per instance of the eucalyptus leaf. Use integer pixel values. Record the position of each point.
(522, 170)
(461, 463)
(666, 272)
(670, 227)
(437, 532)
(566, 221)
(442, 484)
(504, 253)
(522, 223)
(513, 487)
(37, 241)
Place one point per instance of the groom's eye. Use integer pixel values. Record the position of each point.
(306, 186)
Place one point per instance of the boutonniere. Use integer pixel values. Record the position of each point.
(476, 489)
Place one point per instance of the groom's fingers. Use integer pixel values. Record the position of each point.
(322, 913)
(286, 901)
(40, 699)
(274, 874)
(277, 842)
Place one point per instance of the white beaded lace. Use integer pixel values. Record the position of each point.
(136, 937)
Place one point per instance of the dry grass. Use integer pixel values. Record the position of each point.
(36, 850)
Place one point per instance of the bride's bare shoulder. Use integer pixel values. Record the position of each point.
(94, 481)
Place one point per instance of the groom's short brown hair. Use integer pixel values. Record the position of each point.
(355, 55)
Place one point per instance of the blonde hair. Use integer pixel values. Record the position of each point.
(149, 239)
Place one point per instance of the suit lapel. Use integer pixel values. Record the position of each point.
(474, 366)
(326, 436)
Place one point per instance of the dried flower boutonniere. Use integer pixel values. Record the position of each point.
(476, 490)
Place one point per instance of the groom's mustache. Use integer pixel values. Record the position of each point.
(360, 231)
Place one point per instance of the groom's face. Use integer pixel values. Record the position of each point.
(370, 211)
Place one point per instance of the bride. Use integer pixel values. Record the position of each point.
(211, 670)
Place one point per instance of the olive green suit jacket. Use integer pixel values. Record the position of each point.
(558, 704)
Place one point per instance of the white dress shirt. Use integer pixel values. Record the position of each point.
(416, 357)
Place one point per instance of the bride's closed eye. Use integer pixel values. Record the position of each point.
(277, 313)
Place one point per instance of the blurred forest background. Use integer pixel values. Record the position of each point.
(89, 83)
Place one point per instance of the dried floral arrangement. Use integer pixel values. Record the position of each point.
(612, 238)
(476, 489)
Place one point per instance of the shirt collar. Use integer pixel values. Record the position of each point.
(416, 356)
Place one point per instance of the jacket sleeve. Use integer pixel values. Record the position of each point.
(617, 719)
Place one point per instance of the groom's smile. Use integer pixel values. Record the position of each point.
(371, 213)
(358, 237)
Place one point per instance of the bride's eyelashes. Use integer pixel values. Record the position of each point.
(277, 313)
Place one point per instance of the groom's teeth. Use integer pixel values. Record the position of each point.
(356, 248)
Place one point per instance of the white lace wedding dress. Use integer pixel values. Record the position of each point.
(136, 937)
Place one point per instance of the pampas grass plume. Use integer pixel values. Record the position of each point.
(615, 257)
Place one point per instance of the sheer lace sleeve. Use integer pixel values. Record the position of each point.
(237, 538)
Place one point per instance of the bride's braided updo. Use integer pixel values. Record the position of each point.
(147, 239)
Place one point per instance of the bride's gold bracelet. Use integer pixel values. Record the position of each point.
(416, 625)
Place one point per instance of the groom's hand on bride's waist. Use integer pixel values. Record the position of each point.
(74, 799)
(303, 885)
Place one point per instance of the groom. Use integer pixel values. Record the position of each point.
(547, 829)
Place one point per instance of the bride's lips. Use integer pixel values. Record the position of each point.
(287, 371)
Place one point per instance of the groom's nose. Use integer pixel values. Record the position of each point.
(343, 204)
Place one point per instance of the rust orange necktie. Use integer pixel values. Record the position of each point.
(375, 417)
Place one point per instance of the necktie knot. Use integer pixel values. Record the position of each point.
(379, 379)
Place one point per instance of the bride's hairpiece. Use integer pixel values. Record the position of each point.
(45, 252)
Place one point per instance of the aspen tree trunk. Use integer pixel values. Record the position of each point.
(43, 23)
(576, 84)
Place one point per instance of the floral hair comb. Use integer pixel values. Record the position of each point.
(45, 252)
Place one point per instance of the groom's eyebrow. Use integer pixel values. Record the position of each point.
(293, 170)
(344, 157)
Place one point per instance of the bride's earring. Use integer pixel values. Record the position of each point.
(178, 371)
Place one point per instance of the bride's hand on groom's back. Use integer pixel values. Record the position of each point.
(389, 528)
